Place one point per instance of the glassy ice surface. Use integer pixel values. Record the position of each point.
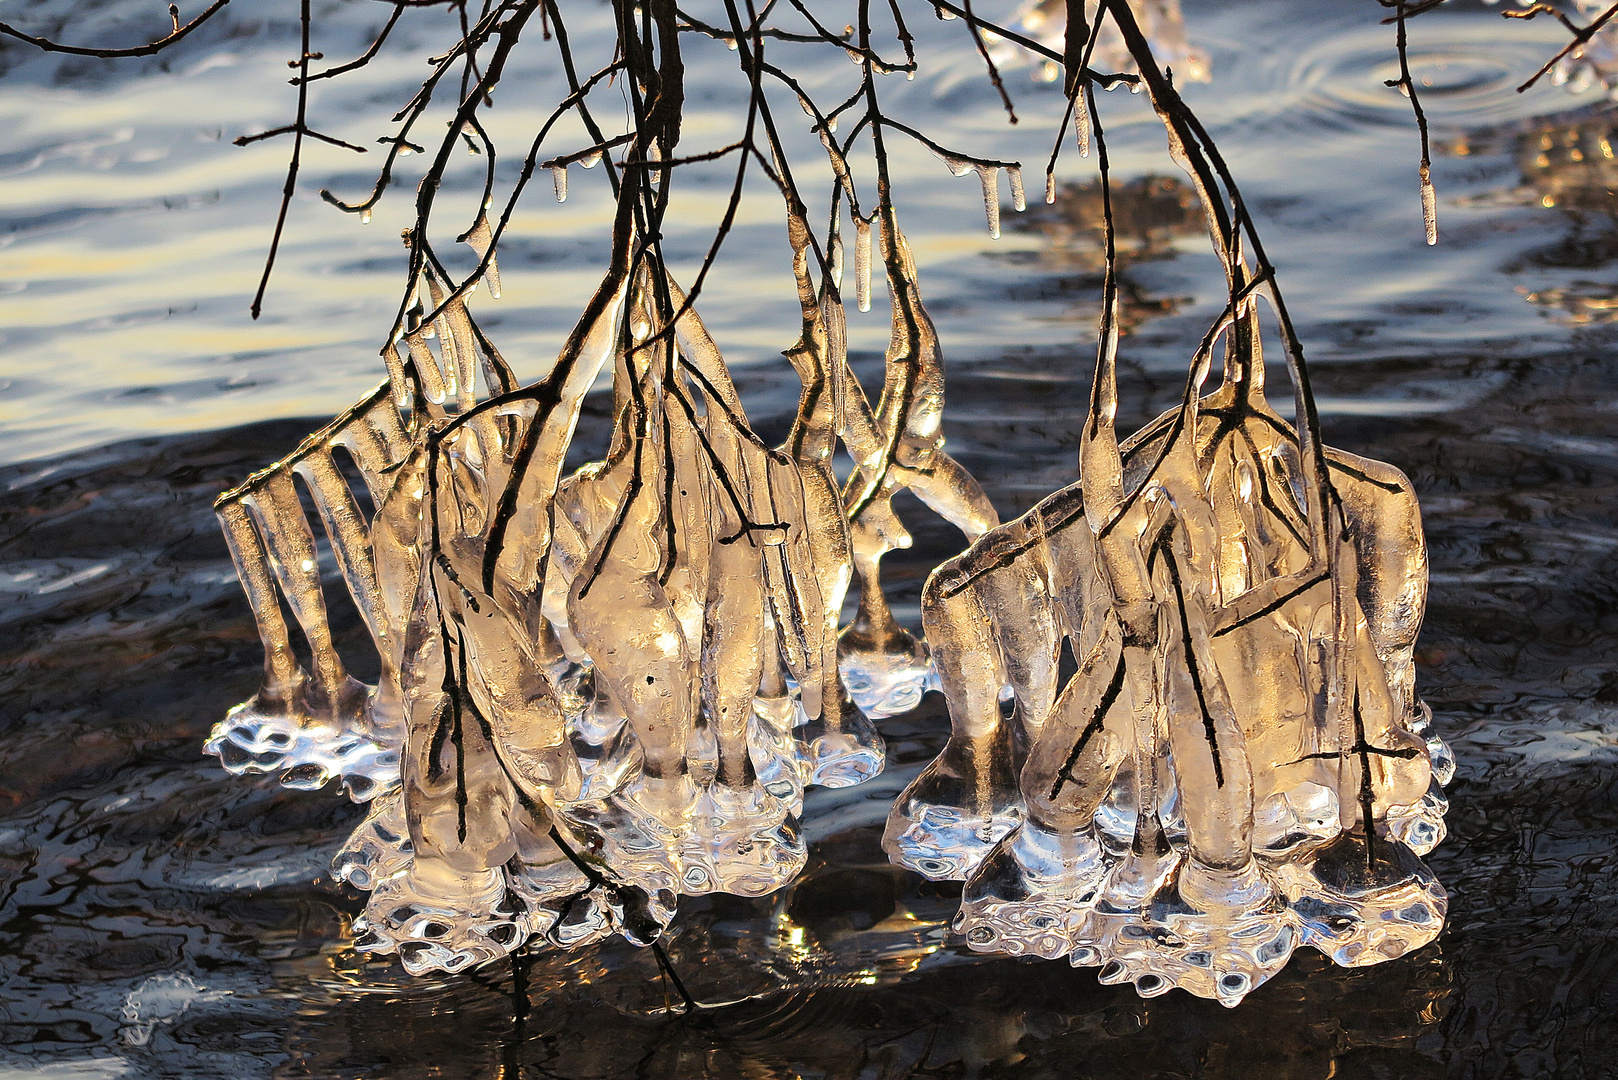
(1243, 607)
(126, 856)
(602, 691)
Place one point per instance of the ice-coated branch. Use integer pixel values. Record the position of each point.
(1429, 198)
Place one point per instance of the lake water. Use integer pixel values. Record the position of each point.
(158, 918)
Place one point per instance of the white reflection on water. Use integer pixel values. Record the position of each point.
(134, 232)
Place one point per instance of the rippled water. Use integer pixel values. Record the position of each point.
(160, 919)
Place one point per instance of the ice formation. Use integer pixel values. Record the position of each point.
(602, 690)
(316, 725)
(901, 446)
(1238, 763)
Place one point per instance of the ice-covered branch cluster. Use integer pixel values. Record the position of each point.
(1185, 737)
(1237, 763)
(603, 690)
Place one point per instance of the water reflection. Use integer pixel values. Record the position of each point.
(1568, 167)
(950, 1023)
(1151, 214)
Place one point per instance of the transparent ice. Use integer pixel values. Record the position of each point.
(899, 445)
(1239, 765)
(599, 691)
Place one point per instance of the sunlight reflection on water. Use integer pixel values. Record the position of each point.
(136, 231)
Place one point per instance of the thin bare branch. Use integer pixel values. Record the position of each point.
(178, 34)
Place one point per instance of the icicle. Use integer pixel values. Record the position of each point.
(1050, 188)
(365, 216)
(282, 674)
(446, 345)
(837, 259)
(459, 324)
(862, 262)
(559, 178)
(956, 165)
(990, 176)
(480, 239)
(1429, 205)
(590, 160)
(396, 374)
(346, 529)
(432, 380)
(291, 547)
(1019, 200)
(1081, 123)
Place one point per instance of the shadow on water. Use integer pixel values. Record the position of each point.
(160, 918)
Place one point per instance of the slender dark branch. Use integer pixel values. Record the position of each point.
(692, 24)
(711, 155)
(1429, 209)
(902, 32)
(1193, 669)
(509, 32)
(1580, 35)
(291, 129)
(1411, 12)
(413, 111)
(1108, 698)
(588, 152)
(299, 128)
(459, 290)
(370, 53)
(945, 152)
(178, 34)
(988, 61)
(554, 19)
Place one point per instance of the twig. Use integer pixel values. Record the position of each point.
(983, 51)
(1429, 198)
(178, 34)
(299, 128)
(1580, 36)
(369, 54)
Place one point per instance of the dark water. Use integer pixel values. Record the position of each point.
(158, 918)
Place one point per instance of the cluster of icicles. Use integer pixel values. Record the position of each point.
(601, 691)
(1238, 764)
